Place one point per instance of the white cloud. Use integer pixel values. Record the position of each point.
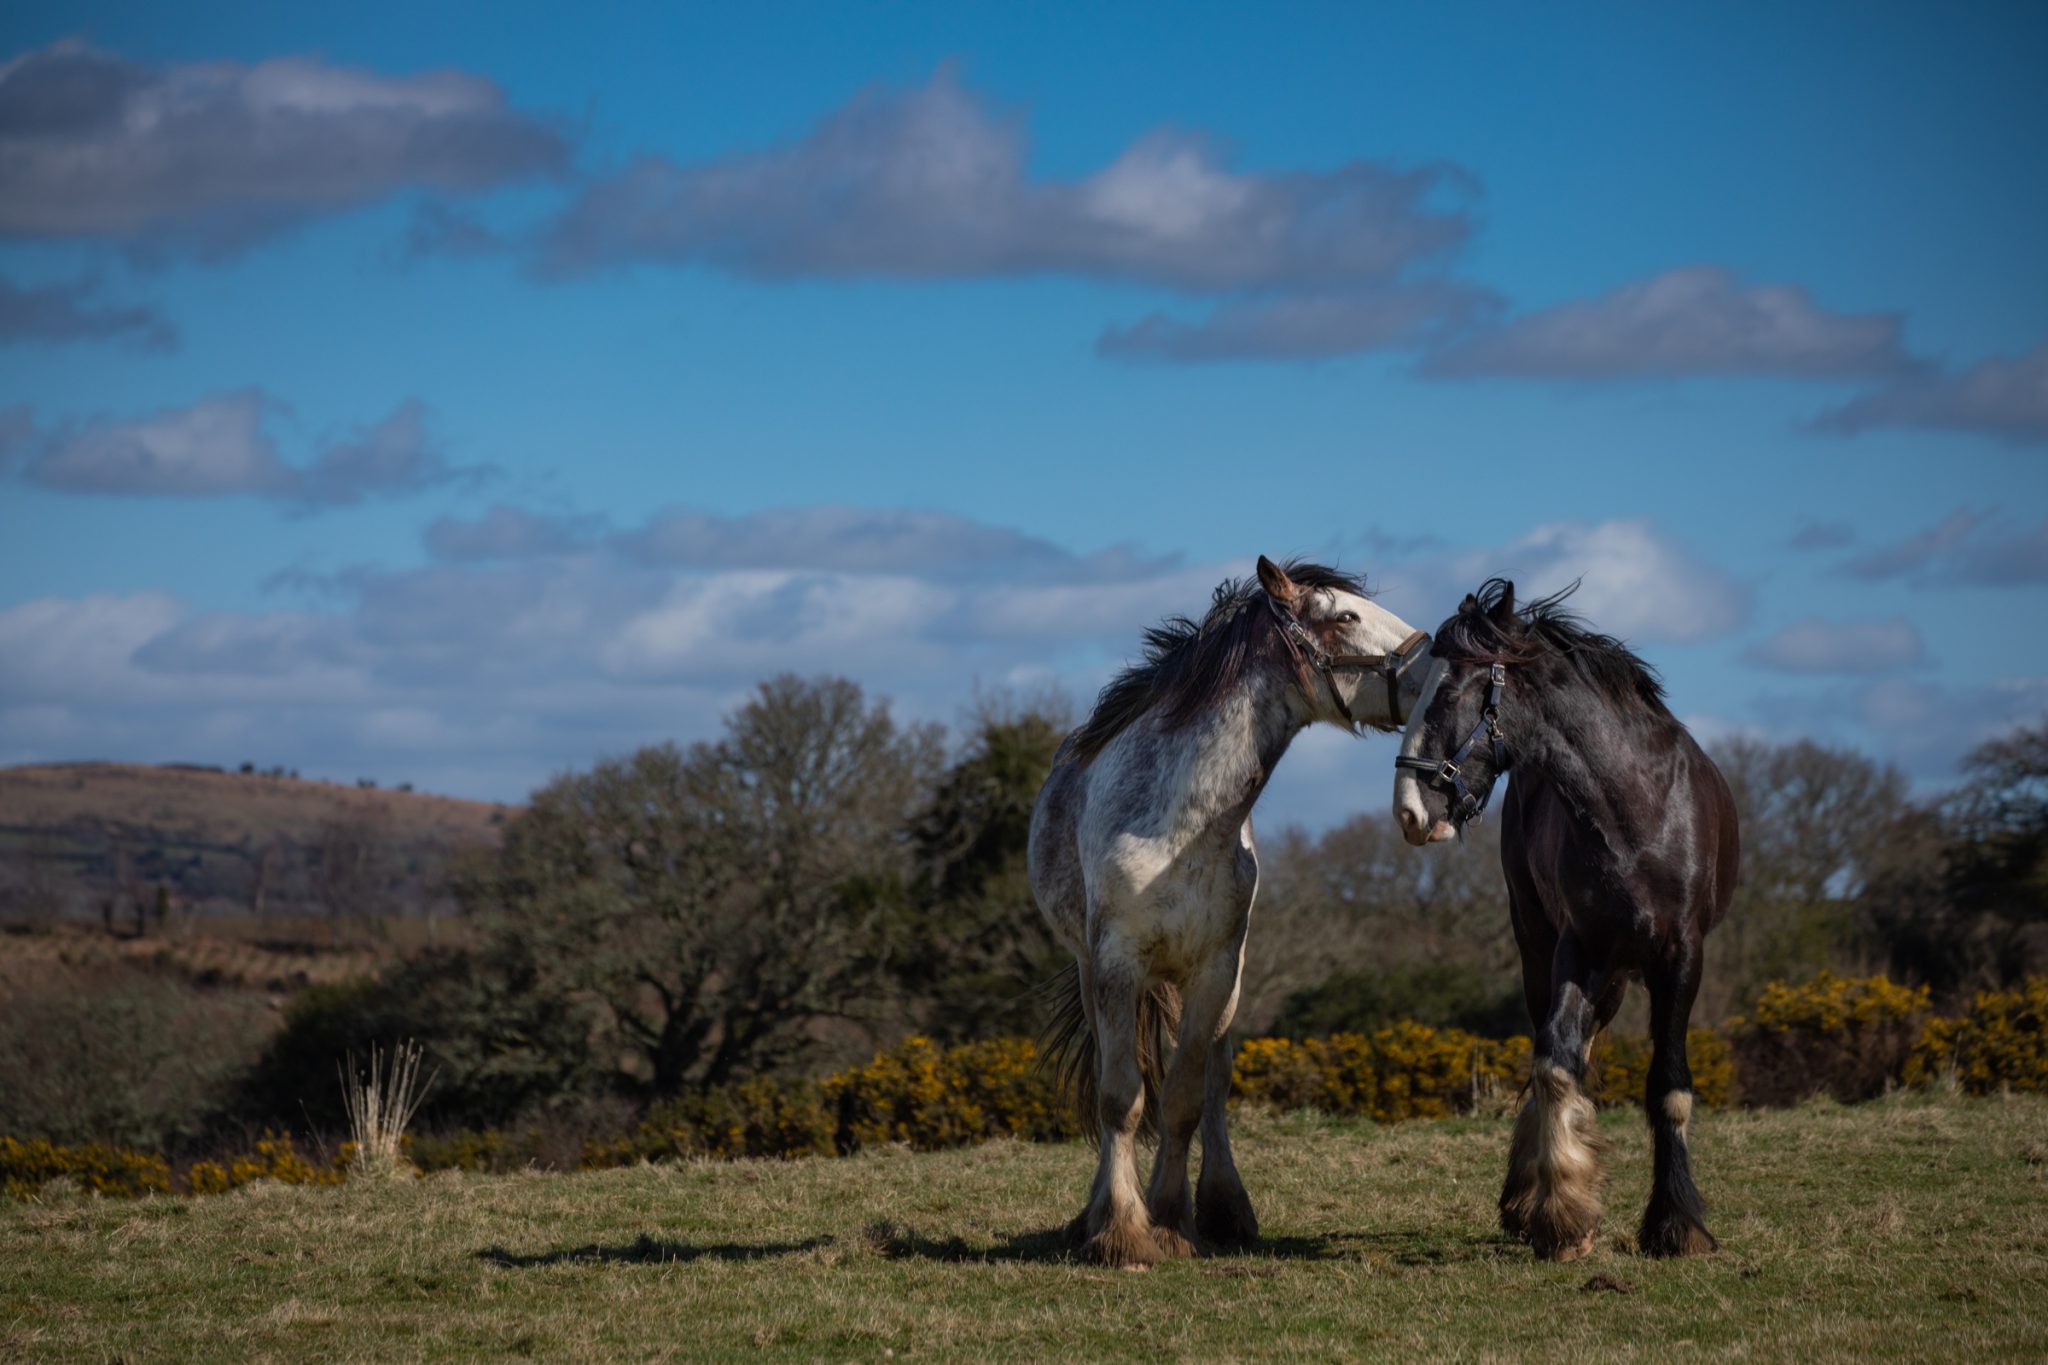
(1974, 549)
(1694, 320)
(1634, 581)
(213, 447)
(1302, 326)
(219, 447)
(2006, 399)
(858, 540)
(930, 183)
(1814, 645)
(210, 157)
(67, 311)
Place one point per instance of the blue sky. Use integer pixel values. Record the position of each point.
(455, 394)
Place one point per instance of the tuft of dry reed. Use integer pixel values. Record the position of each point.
(381, 1100)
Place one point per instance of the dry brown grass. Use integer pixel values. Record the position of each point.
(185, 806)
(1910, 1228)
(194, 953)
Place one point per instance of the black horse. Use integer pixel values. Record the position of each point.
(1619, 843)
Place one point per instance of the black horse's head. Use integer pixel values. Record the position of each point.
(1500, 679)
(1456, 746)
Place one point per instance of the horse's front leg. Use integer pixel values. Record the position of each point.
(1206, 1011)
(1224, 1219)
(1119, 1233)
(1552, 1195)
(1674, 1223)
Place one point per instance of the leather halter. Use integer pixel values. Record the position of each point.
(1449, 775)
(1388, 666)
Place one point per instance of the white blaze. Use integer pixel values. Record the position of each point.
(1407, 787)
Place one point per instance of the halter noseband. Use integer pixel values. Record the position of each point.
(1388, 666)
(1449, 775)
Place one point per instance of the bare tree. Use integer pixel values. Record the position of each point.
(721, 901)
(352, 865)
(33, 880)
(265, 863)
(1358, 900)
(1815, 822)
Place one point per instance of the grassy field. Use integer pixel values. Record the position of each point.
(1913, 1227)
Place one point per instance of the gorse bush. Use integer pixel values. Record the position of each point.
(930, 1097)
(1405, 1071)
(2001, 1043)
(26, 1167)
(275, 1158)
(917, 1093)
(1846, 1037)
(1621, 1068)
(760, 1117)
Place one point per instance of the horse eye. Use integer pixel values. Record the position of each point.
(1347, 618)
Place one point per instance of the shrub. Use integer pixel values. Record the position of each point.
(1445, 995)
(498, 1050)
(118, 1054)
(928, 1097)
(2001, 1042)
(1621, 1068)
(762, 1117)
(275, 1158)
(470, 1149)
(1406, 1070)
(1848, 1037)
(1287, 1074)
(25, 1167)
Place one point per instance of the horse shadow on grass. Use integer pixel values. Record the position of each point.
(645, 1250)
(895, 1242)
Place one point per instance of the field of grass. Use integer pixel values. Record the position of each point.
(1914, 1227)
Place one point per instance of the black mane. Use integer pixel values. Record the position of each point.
(1545, 628)
(1189, 665)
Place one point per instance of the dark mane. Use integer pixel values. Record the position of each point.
(1189, 665)
(1605, 663)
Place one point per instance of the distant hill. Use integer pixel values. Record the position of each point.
(87, 840)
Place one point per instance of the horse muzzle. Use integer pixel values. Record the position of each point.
(1418, 829)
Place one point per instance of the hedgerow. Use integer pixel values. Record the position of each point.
(1848, 1037)
(1404, 1071)
(26, 1167)
(2001, 1042)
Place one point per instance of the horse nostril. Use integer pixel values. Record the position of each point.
(1409, 820)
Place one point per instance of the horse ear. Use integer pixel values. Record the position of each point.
(1504, 610)
(1277, 584)
(1469, 605)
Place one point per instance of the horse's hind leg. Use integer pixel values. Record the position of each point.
(1119, 1232)
(1551, 1197)
(1206, 1010)
(1224, 1218)
(1674, 1223)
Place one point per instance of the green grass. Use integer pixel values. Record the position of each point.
(1911, 1227)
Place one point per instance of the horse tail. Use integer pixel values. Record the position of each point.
(1066, 1047)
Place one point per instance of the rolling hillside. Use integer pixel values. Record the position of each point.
(97, 840)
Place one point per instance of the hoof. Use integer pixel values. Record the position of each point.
(1226, 1222)
(1173, 1228)
(1677, 1236)
(1566, 1251)
(1121, 1246)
